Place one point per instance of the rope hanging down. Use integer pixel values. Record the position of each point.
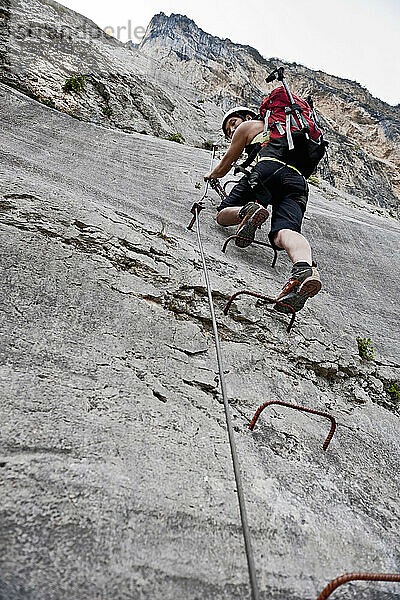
(235, 460)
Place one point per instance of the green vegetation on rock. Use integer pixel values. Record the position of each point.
(161, 234)
(75, 84)
(108, 112)
(48, 102)
(394, 390)
(176, 137)
(365, 348)
(208, 145)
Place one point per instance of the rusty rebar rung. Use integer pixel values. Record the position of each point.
(266, 299)
(240, 237)
(335, 583)
(297, 407)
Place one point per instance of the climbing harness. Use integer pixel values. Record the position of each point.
(222, 194)
(296, 407)
(196, 208)
(282, 163)
(335, 583)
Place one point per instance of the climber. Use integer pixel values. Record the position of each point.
(271, 182)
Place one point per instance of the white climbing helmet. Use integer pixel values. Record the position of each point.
(240, 111)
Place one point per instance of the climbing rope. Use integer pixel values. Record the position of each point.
(235, 460)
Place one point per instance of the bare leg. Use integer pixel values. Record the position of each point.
(229, 216)
(304, 281)
(297, 247)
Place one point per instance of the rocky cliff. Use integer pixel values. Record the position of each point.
(178, 82)
(364, 132)
(114, 460)
(43, 44)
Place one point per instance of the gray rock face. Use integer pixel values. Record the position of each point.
(115, 466)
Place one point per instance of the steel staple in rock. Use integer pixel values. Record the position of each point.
(266, 299)
(296, 407)
(240, 237)
(335, 583)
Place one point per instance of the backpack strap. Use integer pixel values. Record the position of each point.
(288, 113)
(310, 102)
(252, 155)
(279, 127)
(299, 114)
(267, 115)
(294, 122)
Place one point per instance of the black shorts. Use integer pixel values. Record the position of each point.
(280, 186)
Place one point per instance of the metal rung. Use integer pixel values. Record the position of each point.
(266, 299)
(240, 237)
(331, 587)
(297, 407)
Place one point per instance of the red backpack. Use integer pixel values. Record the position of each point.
(294, 135)
(282, 118)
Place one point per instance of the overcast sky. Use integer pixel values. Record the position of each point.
(355, 39)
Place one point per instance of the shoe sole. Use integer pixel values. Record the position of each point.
(309, 288)
(249, 226)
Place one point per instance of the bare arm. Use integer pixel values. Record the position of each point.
(234, 151)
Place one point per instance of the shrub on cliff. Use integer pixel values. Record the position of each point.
(176, 137)
(365, 348)
(394, 390)
(75, 84)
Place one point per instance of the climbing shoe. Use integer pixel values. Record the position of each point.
(253, 215)
(303, 283)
